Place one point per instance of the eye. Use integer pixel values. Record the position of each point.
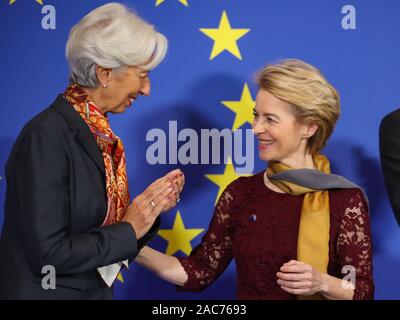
(143, 74)
(271, 120)
(255, 114)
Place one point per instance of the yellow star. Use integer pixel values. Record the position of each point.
(243, 108)
(222, 180)
(225, 37)
(120, 278)
(179, 237)
(181, 1)
(38, 1)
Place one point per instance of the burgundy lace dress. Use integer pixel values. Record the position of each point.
(258, 228)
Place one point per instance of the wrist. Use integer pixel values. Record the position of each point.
(133, 228)
(325, 280)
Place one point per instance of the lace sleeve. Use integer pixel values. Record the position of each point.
(354, 244)
(210, 258)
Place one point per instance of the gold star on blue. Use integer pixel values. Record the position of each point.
(223, 180)
(38, 1)
(225, 37)
(184, 2)
(179, 237)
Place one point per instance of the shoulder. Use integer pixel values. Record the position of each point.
(246, 182)
(48, 123)
(347, 196)
(391, 119)
(346, 202)
(46, 128)
(47, 120)
(240, 188)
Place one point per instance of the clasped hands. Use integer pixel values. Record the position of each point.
(300, 278)
(161, 196)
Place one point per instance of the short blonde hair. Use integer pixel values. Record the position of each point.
(312, 98)
(112, 36)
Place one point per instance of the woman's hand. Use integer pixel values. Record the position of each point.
(177, 178)
(160, 196)
(299, 278)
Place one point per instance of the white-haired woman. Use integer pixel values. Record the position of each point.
(69, 225)
(294, 229)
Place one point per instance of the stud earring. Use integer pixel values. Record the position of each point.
(105, 85)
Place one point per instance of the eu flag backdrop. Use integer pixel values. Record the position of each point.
(206, 83)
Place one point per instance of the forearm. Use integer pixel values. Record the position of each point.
(72, 254)
(165, 266)
(336, 289)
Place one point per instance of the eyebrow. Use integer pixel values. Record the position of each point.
(267, 114)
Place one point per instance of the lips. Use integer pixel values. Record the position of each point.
(131, 99)
(264, 144)
(266, 141)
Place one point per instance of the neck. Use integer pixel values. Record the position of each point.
(97, 98)
(303, 161)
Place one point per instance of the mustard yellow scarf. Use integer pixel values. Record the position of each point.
(313, 239)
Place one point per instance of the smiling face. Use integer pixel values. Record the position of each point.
(122, 87)
(281, 137)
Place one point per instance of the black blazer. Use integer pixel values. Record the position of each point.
(55, 205)
(389, 146)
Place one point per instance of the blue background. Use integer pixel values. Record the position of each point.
(363, 64)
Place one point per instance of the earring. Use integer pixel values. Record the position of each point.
(105, 85)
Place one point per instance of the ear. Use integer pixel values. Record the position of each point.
(103, 74)
(309, 130)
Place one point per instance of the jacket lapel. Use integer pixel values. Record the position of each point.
(76, 123)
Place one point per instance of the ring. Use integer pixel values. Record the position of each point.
(153, 204)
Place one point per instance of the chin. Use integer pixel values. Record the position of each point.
(268, 157)
(118, 110)
(264, 157)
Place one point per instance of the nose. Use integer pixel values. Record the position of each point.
(145, 87)
(257, 127)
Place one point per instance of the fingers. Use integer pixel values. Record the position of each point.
(294, 276)
(181, 182)
(173, 179)
(291, 262)
(155, 188)
(295, 284)
(172, 201)
(296, 267)
(161, 200)
(172, 174)
(296, 291)
(178, 180)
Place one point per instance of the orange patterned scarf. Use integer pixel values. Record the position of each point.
(112, 150)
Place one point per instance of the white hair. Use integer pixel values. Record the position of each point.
(112, 36)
